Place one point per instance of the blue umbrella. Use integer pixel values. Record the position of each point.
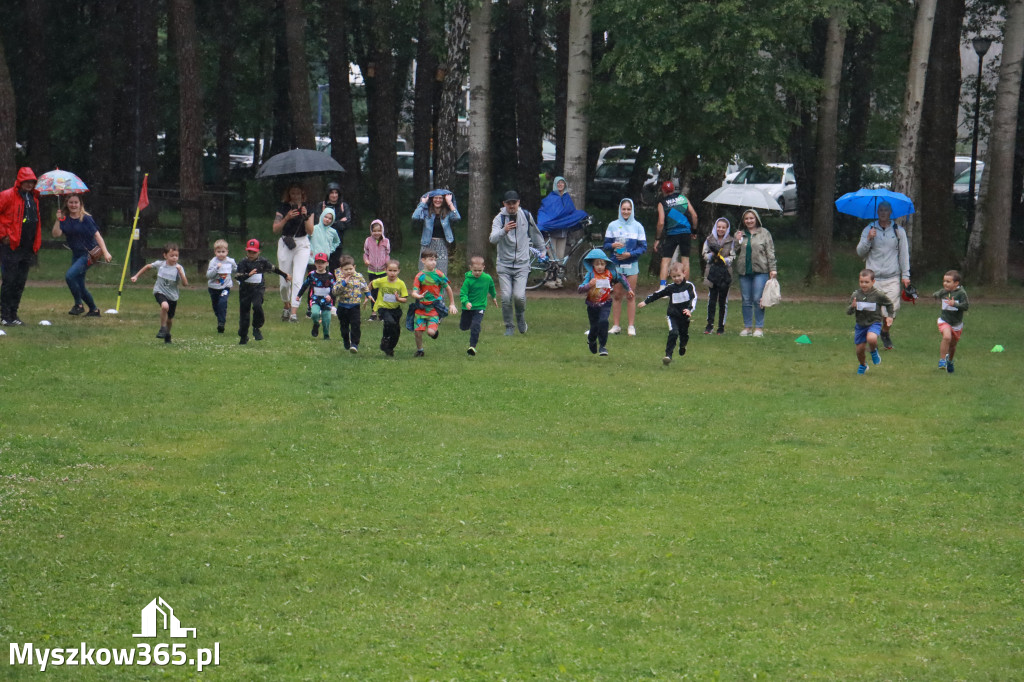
(864, 203)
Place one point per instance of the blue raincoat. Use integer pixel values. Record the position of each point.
(557, 211)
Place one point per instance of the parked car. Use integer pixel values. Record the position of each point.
(777, 179)
(406, 162)
(609, 184)
(962, 185)
(960, 164)
(615, 153)
(876, 176)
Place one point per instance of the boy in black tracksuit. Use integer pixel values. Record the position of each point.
(681, 304)
(250, 290)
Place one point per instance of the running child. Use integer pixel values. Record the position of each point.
(391, 294)
(951, 319)
(867, 305)
(168, 273)
(251, 286)
(218, 281)
(320, 284)
(602, 275)
(477, 286)
(376, 251)
(680, 308)
(426, 289)
(350, 291)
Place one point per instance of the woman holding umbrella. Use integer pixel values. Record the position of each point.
(294, 222)
(755, 264)
(83, 237)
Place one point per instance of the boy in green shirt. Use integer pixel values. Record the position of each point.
(951, 320)
(477, 286)
(391, 294)
(866, 305)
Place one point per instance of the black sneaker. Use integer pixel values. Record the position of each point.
(167, 339)
(327, 337)
(721, 330)
(316, 329)
(162, 334)
(708, 329)
(220, 329)
(603, 352)
(419, 353)
(242, 340)
(592, 345)
(682, 352)
(389, 352)
(309, 314)
(95, 312)
(257, 335)
(76, 309)
(886, 341)
(471, 351)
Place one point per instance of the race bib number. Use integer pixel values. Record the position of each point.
(256, 279)
(946, 305)
(603, 283)
(681, 297)
(867, 305)
(390, 298)
(321, 291)
(224, 269)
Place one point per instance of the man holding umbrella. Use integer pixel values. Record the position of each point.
(20, 238)
(886, 250)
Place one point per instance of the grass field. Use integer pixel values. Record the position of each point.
(753, 510)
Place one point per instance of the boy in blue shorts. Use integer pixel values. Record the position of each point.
(867, 305)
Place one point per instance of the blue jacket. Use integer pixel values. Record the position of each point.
(630, 233)
(558, 211)
(423, 213)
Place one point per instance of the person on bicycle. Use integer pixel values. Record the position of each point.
(557, 215)
(677, 222)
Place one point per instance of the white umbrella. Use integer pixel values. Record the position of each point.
(744, 196)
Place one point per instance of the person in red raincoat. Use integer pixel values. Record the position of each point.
(20, 237)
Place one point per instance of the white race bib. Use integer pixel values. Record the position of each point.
(224, 269)
(390, 298)
(946, 305)
(867, 305)
(681, 297)
(255, 279)
(603, 283)
(321, 291)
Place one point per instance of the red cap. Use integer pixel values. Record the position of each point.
(668, 187)
(252, 245)
(320, 256)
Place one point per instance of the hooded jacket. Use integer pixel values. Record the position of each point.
(514, 247)
(325, 238)
(342, 211)
(375, 254)
(760, 247)
(888, 254)
(12, 212)
(718, 254)
(613, 277)
(424, 213)
(557, 210)
(630, 233)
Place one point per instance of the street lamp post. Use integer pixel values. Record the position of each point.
(981, 45)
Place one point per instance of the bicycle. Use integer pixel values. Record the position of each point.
(546, 270)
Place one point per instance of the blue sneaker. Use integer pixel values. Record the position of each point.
(862, 369)
(876, 359)
(942, 364)
(949, 366)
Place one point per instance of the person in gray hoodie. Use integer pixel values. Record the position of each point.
(514, 231)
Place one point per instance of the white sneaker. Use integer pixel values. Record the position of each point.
(615, 330)
(631, 331)
(745, 332)
(758, 332)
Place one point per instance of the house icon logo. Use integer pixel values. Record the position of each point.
(158, 611)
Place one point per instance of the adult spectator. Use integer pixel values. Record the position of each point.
(755, 264)
(676, 222)
(885, 249)
(557, 216)
(436, 211)
(294, 222)
(625, 240)
(82, 236)
(20, 238)
(514, 231)
(342, 219)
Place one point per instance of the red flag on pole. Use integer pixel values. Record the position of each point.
(144, 194)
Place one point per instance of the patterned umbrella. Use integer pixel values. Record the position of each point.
(60, 182)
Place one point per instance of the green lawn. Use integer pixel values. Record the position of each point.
(753, 510)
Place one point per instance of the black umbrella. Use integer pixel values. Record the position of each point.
(299, 162)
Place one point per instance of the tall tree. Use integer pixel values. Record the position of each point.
(577, 127)
(298, 74)
(993, 218)
(904, 169)
(526, 23)
(423, 100)
(561, 82)
(8, 122)
(456, 48)
(227, 39)
(827, 146)
(37, 101)
(343, 125)
(183, 24)
(480, 206)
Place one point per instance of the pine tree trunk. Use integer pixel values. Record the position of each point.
(941, 246)
(904, 169)
(457, 45)
(227, 40)
(8, 122)
(343, 124)
(183, 21)
(577, 99)
(861, 64)
(37, 104)
(826, 149)
(423, 100)
(530, 134)
(382, 119)
(281, 134)
(996, 192)
(481, 208)
(561, 85)
(298, 74)
(109, 76)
